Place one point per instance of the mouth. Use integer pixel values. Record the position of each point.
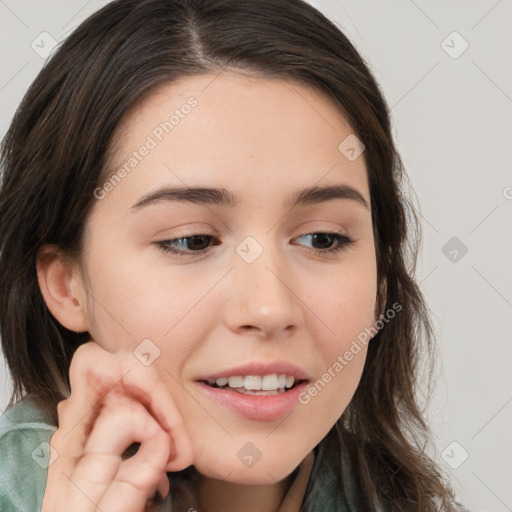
(268, 385)
(257, 390)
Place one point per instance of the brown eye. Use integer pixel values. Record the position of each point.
(188, 245)
(327, 242)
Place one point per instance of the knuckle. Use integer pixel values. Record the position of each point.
(83, 351)
(125, 409)
(89, 352)
(81, 359)
(162, 438)
(95, 366)
(62, 407)
(148, 476)
(96, 468)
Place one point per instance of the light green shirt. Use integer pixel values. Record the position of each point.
(24, 457)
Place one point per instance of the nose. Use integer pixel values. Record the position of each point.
(262, 297)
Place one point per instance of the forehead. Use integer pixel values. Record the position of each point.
(235, 131)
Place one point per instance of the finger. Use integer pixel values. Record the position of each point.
(93, 373)
(138, 478)
(121, 422)
(144, 384)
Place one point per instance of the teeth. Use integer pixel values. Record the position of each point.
(255, 382)
(236, 382)
(266, 393)
(251, 382)
(270, 382)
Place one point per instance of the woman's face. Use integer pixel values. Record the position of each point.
(256, 287)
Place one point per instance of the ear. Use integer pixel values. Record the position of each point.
(62, 289)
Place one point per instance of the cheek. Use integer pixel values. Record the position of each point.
(350, 317)
(346, 309)
(132, 303)
(345, 306)
(343, 355)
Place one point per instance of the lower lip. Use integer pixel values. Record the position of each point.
(256, 407)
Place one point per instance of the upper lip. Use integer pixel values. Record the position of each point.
(260, 368)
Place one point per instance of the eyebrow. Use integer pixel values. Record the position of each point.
(223, 197)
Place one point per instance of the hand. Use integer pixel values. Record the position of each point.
(115, 401)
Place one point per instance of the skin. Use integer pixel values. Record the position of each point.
(261, 139)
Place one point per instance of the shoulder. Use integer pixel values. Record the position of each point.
(24, 457)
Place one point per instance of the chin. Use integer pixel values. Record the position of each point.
(247, 477)
(262, 472)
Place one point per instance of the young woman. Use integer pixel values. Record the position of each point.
(206, 297)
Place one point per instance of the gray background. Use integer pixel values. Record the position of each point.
(452, 122)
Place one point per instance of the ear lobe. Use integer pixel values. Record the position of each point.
(62, 289)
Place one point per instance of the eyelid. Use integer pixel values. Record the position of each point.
(166, 247)
(342, 241)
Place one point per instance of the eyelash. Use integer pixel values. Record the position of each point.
(341, 242)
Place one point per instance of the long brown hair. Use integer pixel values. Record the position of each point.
(55, 155)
